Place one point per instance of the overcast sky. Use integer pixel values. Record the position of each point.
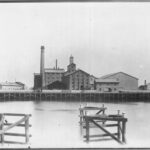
(103, 38)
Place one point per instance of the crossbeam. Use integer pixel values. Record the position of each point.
(4, 131)
(107, 132)
(13, 125)
(60, 1)
(15, 134)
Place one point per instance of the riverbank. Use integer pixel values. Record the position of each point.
(85, 96)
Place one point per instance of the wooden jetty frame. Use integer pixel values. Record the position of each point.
(83, 111)
(120, 123)
(23, 122)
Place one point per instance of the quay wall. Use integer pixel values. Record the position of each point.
(75, 96)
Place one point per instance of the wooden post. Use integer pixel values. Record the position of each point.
(118, 130)
(1, 127)
(81, 115)
(123, 131)
(27, 128)
(118, 127)
(87, 129)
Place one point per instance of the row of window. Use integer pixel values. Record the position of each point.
(53, 78)
(79, 75)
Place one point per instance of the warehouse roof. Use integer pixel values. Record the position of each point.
(109, 75)
(11, 83)
(75, 72)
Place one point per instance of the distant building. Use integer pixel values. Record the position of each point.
(148, 86)
(145, 86)
(106, 85)
(71, 67)
(77, 80)
(12, 86)
(92, 82)
(126, 81)
(37, 81)
(52, 75)
(47, 76)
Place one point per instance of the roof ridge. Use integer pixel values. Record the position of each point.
(108, 75)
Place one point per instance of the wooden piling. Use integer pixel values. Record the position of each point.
(123, 131)
(118, 130)
(27, 129)
(1, 127)
(87, 129)
(91, 120)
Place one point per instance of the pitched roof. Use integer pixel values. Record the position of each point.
(75, 72)
(20, 83)
(11, 83)
(109, 75)
(93, 76)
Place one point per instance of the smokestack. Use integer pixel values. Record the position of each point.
(42, 67)
(145, 82)
(56, 63)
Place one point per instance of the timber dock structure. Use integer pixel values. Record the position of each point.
(81, 96)
(6, 126)
(102, 121)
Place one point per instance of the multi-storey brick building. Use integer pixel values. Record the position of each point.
(75, 79)
(47, 76)
(52, 75)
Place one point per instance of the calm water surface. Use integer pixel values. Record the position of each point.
(56, 124)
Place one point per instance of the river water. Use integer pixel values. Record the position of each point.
(56, 124)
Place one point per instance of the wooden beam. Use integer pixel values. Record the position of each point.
(101, 135)
(19, 125)
(107, 132)
(13, 142)
(13, 125)
(118, 130)
(15, 114)
(39, 1)
(110, 125)
(87, 129)
(27, 129)
(123, 131)
(15, 134)
(2, 126)
(105, 117)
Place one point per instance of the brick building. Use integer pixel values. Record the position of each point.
(75, 79)
(47, 76)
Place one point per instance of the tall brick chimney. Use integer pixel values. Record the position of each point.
(42, 73)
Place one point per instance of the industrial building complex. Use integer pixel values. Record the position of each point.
(77, 79)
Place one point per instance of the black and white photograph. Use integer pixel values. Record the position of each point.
(74, 74)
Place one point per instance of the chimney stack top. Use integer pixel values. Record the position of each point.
(42, 47)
